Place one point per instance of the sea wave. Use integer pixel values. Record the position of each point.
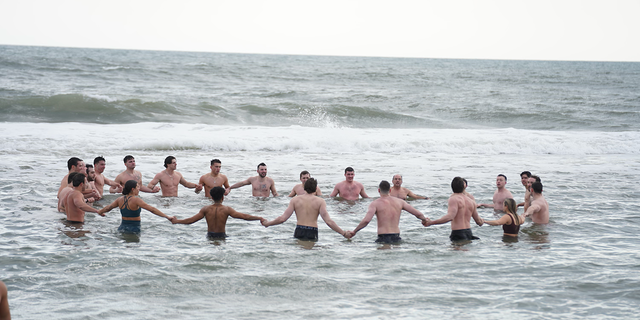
(16, 138)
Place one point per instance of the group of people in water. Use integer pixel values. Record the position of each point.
(85, 184)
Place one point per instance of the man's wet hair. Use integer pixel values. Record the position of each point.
(304, 172)
(261, 165)
(348, 169)
(537, 187)
(526, 173)
(384, 186)
(127, 158)
(71, 175)
(311, 185)
(168, 160)
(216, 161)
(216, 193)
(98, 159)
(128, 186)
(457, 185)
(78, 179)
(502, 175)
(537, 178)
(73, 161)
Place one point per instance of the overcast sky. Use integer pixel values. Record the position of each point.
(605, 30)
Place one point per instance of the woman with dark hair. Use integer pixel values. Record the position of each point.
(511, 221)
(130, 206)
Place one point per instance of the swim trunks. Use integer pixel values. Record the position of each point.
(129, 226)
(462, 234)
(306, 233)
(216, 235)
(389, 238)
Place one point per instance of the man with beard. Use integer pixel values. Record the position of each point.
(260, 184)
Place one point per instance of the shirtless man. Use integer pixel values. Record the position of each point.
(65, 192)
(461, 210)
(349, 189)
(260, 184)
(539, 208)
(402, 193)
(170, 178)
(387, 209)
(213, 179)
(77, 165)
(100, 164)
(216, 215)
(500, 194)
(307, 208)
(524, 179)
(527, 195)
(74, 204)
(5, 313)
(298, 189)
(131, 174)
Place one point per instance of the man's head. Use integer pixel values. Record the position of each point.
(304, 176)
(216, 165)
(531, 180)
(99, 163)
(524, 176)
(78, 179)
(349, 173)
(91, 173)
(384, 187)
(130, 162)
(217, 194)
(170, 162)
(457, 185)
(397, 181)
(262, 170)
(70, 177)
(311, 185)
(501, 181)
(536, 187)
(76, 165)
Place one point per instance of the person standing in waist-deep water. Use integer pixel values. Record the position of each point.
(387, 209)
(349, 189)
(500, 194)
(511, 221)
(307, 208)
(169, 179)
(130, 207)
(260, 184)
(217, 215)
(461, 210)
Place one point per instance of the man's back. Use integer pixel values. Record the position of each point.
(216, 216)
(465, 207)
(541, 207)
(388, 211)
(307, 208)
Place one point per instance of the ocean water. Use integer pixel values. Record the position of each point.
(575, 124)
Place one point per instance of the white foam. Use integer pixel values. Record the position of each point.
(161, 136)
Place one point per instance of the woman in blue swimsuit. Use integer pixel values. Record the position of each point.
(130, 206)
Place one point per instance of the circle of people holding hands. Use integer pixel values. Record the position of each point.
(85, 184)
